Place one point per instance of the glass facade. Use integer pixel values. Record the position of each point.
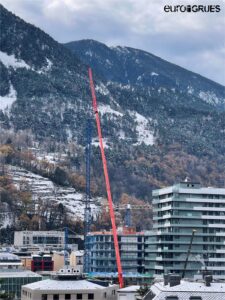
(12, 285)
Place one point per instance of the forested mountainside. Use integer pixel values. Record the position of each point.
(161, 123)
(140, 69)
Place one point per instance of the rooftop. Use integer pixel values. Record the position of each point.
(58, 285)
(6, 256)
(216, 291)
(18, 273)
(119, 232)
(189, 187)
(115, 275)
(129, 289)
(41, 232)
(78, 252)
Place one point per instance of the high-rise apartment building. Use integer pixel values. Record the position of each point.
(177, 211)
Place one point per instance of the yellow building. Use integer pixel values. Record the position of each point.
(76, 259)
(26, 262)
(58, 258)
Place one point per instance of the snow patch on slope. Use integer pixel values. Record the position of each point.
(89, 53)
(210, 97)
(69, 134)
(12, 61)
(45, 189)
(47, 67)
(7, 100)
(95, 143)
(6, 216)
(120, 49)
(106, 109)
(144, 134)
(102, 89)
(121, 135)
(15, 63)
(190, 90)
(6, 219)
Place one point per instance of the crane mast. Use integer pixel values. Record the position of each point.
(108, 190)
(87, 210)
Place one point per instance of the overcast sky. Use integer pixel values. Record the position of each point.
(195, 41)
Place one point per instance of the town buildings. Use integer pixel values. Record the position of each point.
(178, 210)
(25, 257)
(13, 276)
(40, 263)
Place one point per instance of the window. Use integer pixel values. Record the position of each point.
(67, 297)
(195, 298)
(44, 297)
(55, 297)
(90, 296)
(79, 297)
(105, 295)
(171, 298)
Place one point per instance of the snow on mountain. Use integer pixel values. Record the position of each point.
(45, 189)
(6, 215)
(6, 219)
(12, 61)
(144, 134)
(7, 100)
(210, 97)
(15, 63)
(95, 142)
(46, 68)
(101, 88)
(106, 109)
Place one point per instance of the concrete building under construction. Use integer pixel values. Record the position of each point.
(102, 254)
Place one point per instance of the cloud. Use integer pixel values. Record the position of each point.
(195, 41)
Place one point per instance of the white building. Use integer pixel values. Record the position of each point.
(46, 239)
(52, 289)
(129, 293)
(39, 238)
(9, 261)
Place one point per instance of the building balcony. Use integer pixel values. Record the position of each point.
(216, 268)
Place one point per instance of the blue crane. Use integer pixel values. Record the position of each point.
(87, 210)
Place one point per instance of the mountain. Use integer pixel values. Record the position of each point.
(38, 75)
(128, 66)
(160, 122)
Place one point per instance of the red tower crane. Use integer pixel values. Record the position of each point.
(108, 190)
